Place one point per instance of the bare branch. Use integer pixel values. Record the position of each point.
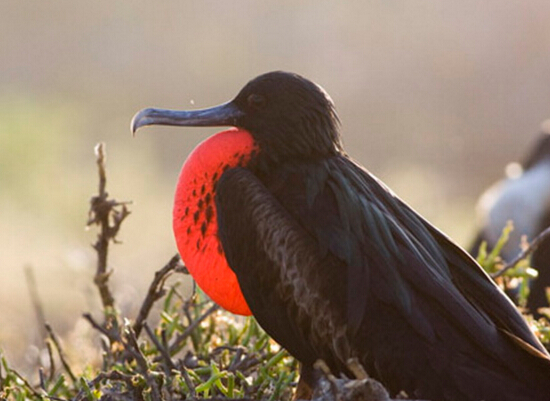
(60, 353)
(42, 378)
(178, 342)
(27, 384)
(156, 291)
(132, 346)
(36, 302)
(52, 361)
(108, 214)
(101, 161)
(533, 245)
(188, 381)
(114, 375)
(112, 334)
(162, 349)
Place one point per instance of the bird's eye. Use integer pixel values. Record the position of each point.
(256, 102)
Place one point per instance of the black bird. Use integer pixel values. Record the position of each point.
(524, 198)
(332, 264)
(538, 297)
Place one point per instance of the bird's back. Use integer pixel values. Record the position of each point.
(524, 200)
(412, 300)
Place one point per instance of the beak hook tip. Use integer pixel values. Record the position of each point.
(138, 121)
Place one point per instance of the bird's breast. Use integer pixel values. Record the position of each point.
(195, 216)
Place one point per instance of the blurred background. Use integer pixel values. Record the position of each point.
(435, 97)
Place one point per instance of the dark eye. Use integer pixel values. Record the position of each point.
(256, 101)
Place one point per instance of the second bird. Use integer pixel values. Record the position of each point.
(523, 198)
(273, 217)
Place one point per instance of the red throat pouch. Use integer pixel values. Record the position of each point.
(195, 218)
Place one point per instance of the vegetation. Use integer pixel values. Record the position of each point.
(514, 277)
(195, 351)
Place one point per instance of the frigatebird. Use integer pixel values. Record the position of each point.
(523, 198)
(273, 217)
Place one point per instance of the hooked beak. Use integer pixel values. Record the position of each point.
(225, 114)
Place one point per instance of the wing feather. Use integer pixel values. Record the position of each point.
(351, 270)
(269, 250)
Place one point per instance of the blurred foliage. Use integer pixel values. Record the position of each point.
(34, 143)
(515, 280)
(516, 277)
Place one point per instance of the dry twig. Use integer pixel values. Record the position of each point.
(108, 214)
(36, 302)
(112, 336)
(132, 346)
(114, 375)
(52, 361)
(169, 365)
(156, 291)
(178, 342)
(533, 245)
(27, 384)
(187, 379)
(60, 353)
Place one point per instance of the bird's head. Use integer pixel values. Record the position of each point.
(279, 117)
(288, 115)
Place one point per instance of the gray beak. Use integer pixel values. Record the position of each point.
(225, 114)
